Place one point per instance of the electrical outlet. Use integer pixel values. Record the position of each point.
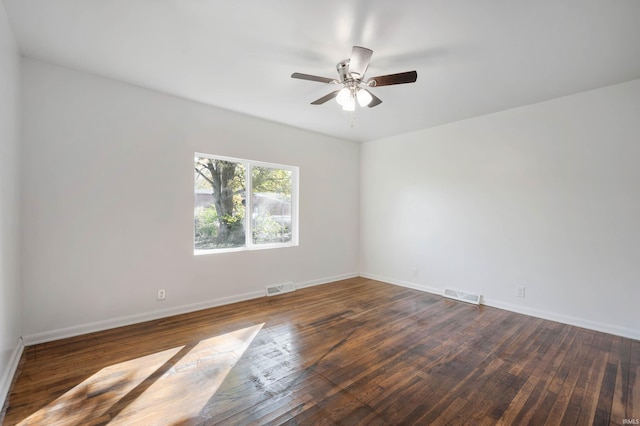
(161, 294)
(520, 292)
(416, 271)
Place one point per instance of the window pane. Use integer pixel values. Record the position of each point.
(271, 205)
(219, 203)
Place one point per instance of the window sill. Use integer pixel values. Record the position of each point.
(238, 249)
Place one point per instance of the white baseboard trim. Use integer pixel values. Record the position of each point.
(10, 372)
(62, 333)
(565, 319)
(551, 316)
(402, 283)
(327, 280)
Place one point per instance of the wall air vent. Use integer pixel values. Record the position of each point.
(287, 287)
(462, 296)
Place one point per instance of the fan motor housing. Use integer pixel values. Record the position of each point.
(343, 70)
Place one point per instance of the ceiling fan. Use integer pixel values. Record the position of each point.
(351, 72)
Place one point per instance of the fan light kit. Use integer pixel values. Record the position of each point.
(351, 75)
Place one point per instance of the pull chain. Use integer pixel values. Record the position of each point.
(352, 121)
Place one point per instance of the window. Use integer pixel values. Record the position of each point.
(226, 219)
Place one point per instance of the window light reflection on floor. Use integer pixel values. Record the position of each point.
(178, 381)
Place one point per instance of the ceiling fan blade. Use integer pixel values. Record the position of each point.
(325, 98)
(375, 101)
(387, 80)
(312, 77)
(359, 60)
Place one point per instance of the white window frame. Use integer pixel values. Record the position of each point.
(248, 226)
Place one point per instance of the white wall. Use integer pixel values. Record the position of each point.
(545, 196)
(10, 303)
(108, 203)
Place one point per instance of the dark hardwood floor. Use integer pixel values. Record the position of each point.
(351, 352)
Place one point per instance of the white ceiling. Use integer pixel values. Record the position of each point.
(472, 57)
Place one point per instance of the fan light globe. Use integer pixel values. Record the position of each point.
(344, 96)
(350, 105)
(364, 97)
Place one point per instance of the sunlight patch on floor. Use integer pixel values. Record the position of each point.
(166, 387)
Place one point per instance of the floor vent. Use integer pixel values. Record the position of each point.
(462, 296)
(287, 287)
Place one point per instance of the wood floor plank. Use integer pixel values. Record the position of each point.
(591, 390)
(619, 356)
(569, 373)
(356, 351)
(633, 404)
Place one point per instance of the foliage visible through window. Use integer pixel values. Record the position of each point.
(221, 203)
